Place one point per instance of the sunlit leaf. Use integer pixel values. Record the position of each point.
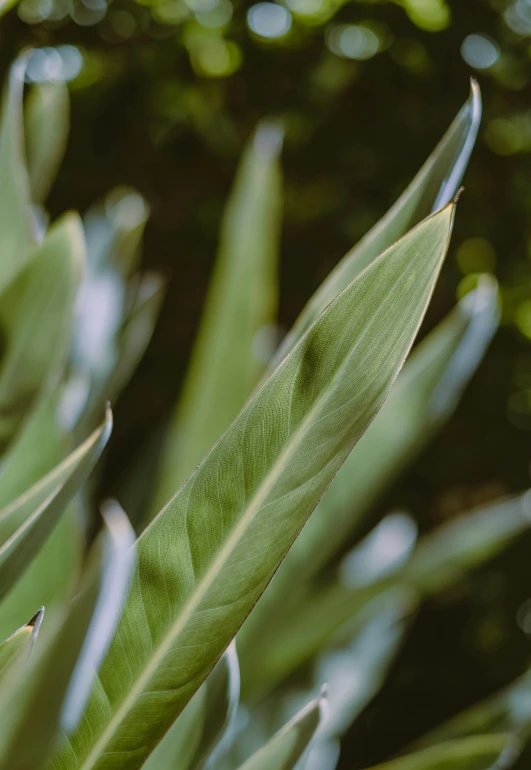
(433, 187)
(423, 397)
(208, 556)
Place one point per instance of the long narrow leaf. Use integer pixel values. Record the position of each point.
(209, 554)
(433, 187)
(118, 562)
(36, 315)
(440, 559)
(421, 400)
(241, 302)
(47, 124)
(30, 714)
(285, 749)
(477, 753)
(18, 646)
(17, 231)
(27, 522)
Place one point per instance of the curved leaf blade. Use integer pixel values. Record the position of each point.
(424, 396)
(433, 187)
(213, 549)
(17, 230)
(17, 647)
(477, 753)
(27, 522)
(47, 117)
(118, 561)
(286, 748)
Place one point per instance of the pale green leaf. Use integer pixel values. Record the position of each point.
(476, 753)
(208, 556)
(47, 118)
(286, 748)
(18, 235)
(35, 317)
(240, 307)
(183, 739)
(439, 560)
(30, 714)
(190, 741)
(433, 187)
(26, 523)
(423, 397)
(50, 576)
(16, 648)
(118, 563)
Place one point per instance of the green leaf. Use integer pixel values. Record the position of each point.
(26, 523)
(35, 316)
(208, 556)
(17, 230)
(433, 188)
(119, 560)
(286, 748)
(439, 560)
(47, 118)
(193, 741)
(30, 715)
(221, 706)
(423, 397)
(50, 576)
(17, 647)
(240, 306)
(477, 753)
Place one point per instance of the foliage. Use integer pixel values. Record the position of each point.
(136, 662)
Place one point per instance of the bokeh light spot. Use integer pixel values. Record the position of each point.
(269, 20)
(352, 41)
(479, 51)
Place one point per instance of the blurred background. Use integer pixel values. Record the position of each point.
(164, 95)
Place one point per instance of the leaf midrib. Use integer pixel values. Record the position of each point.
(252, 509)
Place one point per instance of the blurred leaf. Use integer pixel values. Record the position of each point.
(35, 315)
(191, 741)
(423, 397)
(17, 229)
(286, 748)
(18, 646)
(439, 560)
(506, 711)
(208, 556)
(433, 188)
(50, 576)
(241, 303)
(30, 714)
(131, 343)
(47, 119)
(26, 523)
(183, 739)
(221, 704)
(478, 753)
(119, 562)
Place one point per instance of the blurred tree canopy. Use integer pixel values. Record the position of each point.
(164, 94)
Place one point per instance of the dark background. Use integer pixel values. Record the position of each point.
(146, 112)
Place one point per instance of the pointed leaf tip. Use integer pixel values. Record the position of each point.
(458, 194)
